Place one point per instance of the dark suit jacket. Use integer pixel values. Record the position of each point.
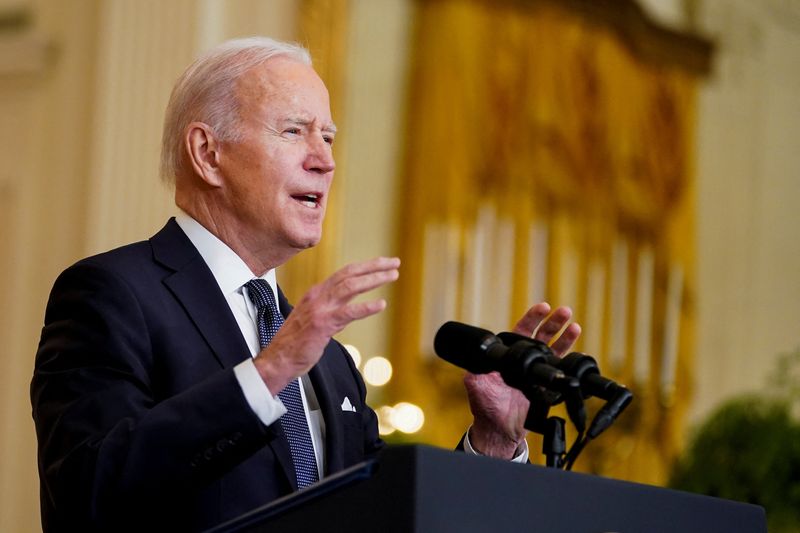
(139, 416)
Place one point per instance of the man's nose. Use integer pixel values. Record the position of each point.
(320, 156)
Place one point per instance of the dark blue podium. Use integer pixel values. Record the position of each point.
(422, 489)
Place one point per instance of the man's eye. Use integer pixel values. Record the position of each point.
(292, 131)
(328, 139)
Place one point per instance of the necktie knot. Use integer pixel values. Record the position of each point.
(269, 319)
(260, 293)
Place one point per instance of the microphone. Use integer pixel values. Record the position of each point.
(480, 351)
(569, 394)
(474, 349)
(584, 368)
(609, 412)
(510, 338)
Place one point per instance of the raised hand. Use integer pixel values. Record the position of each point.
(499, 411)
(321, 313)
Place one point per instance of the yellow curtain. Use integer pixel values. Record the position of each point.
(547, 157)
(322, 28)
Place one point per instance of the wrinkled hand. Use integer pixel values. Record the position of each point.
(499, 411)
(321, 313)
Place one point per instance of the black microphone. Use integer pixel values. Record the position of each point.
(609, 412)
(584, 367)
(474, 349)
(510, 338)
(480, 351)
(569, 394)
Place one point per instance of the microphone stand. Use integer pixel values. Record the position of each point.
(554, 443)
(552, 428)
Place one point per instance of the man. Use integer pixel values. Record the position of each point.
(168, 390)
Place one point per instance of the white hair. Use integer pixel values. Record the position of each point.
(205, 93)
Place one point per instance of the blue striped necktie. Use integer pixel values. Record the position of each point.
(294, 422)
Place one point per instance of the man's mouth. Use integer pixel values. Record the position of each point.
(308, 199)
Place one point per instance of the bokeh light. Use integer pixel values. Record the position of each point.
(407, 417)
(385, 426)
(377, 371)
(355, 353)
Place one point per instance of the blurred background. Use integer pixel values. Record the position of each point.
(637, 161)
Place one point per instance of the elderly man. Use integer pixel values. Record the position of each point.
(174, 385)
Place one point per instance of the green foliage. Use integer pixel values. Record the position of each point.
(749, 450)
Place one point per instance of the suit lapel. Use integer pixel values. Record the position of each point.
(331, 413)
(194, 286)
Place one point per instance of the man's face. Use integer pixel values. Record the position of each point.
(277, 177)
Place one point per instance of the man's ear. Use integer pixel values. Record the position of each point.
(203, 151)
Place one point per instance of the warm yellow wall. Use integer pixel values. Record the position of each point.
(44, 133)
(748, 197)
(79, 134)
(374, 104)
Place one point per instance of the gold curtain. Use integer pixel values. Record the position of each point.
(549, 154)
(322, 28)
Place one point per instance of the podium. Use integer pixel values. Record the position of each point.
(423, 489)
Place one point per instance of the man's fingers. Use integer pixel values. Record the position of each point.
(567, 339)
(360, 310)
(528, 323)
(543, 325)
(351, 287)
(357, 278)
(553, 324)
(376, 264)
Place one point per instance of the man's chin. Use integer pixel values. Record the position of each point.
(308, 242)
(302, 238)
(311, 244)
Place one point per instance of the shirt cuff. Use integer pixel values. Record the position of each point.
(520, 457)
(267, 407)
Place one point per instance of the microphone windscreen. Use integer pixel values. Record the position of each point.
(467, 346)
(510, 338)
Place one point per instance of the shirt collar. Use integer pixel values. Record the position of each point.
(230, 271)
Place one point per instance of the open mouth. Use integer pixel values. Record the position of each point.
(310, 200)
